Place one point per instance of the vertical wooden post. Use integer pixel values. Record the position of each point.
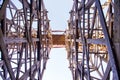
(116, 31)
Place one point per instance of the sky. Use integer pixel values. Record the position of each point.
(57, 65)
(58, 12)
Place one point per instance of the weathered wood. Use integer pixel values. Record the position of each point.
(116, 31)
(5, 56)
(2, 10)
(109, 42)
(58, 39)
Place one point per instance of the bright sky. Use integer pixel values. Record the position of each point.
(58, 11)
(57, 66)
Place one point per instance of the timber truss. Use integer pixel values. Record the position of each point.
(89, 41)
(25, 39)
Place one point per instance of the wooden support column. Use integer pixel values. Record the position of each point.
(116, 31)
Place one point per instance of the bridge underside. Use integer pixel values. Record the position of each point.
(91, 40)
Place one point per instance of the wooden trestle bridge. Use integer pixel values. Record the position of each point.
(92, 39)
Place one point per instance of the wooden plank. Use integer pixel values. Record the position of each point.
(58, 39)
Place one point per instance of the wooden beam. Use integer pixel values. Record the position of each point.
(5, 56)
(26, 74)
(58, 39)
(3, 8)
(109, 42)
(116, 32)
